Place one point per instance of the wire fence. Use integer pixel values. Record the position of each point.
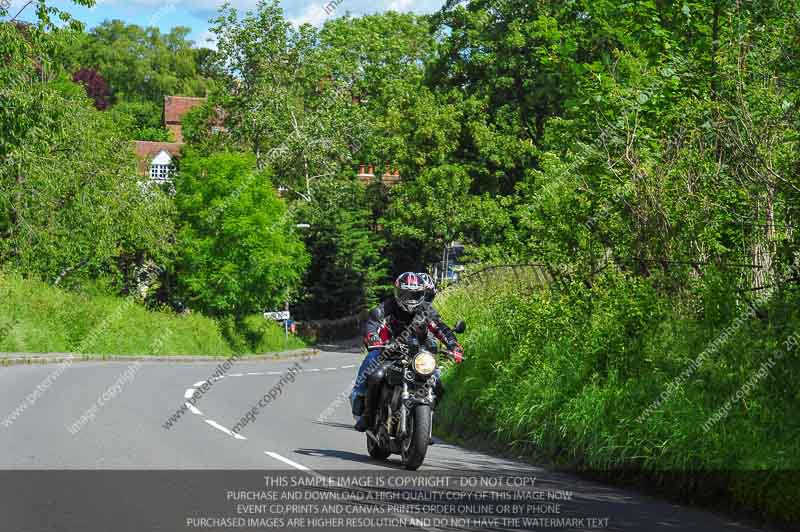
(758, 269)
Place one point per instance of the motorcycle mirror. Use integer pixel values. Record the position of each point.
(460, 327)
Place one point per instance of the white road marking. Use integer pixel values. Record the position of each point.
(193, 409)
(223, 429)
(285, 460)
(255, 374)
(190, 392)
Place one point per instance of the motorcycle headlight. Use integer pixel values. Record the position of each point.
(424, 363)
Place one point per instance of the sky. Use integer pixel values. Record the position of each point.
(195, 14)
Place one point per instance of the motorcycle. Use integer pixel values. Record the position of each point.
(403, 391)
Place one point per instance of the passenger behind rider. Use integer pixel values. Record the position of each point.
(413, 294)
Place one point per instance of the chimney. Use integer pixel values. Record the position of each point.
(365, 174)
(390, 179)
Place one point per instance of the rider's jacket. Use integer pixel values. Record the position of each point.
(388, 321)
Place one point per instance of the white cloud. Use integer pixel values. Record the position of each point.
(400, 5)
(296, 10)
(196, 13)
(207, 40)
(313, 14)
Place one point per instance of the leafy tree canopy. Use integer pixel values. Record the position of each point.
(238, 252)
(140, 63)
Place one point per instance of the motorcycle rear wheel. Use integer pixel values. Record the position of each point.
(415, 444)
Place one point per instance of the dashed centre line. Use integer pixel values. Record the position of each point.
(225, 430)
(190, 392)
(193, 409)
(285, 460)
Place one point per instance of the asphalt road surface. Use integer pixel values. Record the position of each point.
(76, 448)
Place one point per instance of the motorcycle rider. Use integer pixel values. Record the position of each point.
(392, 319)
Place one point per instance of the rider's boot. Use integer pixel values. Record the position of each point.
(357, 405)
(361, 424)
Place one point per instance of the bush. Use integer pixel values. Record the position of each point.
(568, 375)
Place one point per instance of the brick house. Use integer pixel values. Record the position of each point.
(156, 159)
(174, 109)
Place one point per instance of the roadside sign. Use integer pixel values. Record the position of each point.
(278, 316)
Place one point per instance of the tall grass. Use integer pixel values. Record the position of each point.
(37, 318)
(565, 375)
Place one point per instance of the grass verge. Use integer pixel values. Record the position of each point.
(37, 318)
(577, 378)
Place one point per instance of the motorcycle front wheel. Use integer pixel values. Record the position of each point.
(415, 444)
(377, 450)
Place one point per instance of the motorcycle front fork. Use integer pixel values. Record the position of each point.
(404, 400)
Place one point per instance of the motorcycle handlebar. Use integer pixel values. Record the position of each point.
(446, 352)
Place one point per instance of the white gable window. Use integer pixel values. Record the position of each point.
(160, 167)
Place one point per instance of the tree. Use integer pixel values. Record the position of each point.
(378, 62)
(348, 270)
(238, 252)
(140, 63)
(70, 197)
(141, 120)
(95, 86)
(430, 212)
(293, 116)
(201, 128)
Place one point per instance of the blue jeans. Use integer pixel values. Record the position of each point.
(367, 366)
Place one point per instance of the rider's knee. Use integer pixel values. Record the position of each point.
(375, 378)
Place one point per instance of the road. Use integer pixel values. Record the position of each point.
(58, 472)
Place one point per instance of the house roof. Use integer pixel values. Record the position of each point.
(176, 106)
(148, 150)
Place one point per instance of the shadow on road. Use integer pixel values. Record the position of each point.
(350, 457)
(335, 424)
(353, 345)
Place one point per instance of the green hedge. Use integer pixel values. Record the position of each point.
(565, 375)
